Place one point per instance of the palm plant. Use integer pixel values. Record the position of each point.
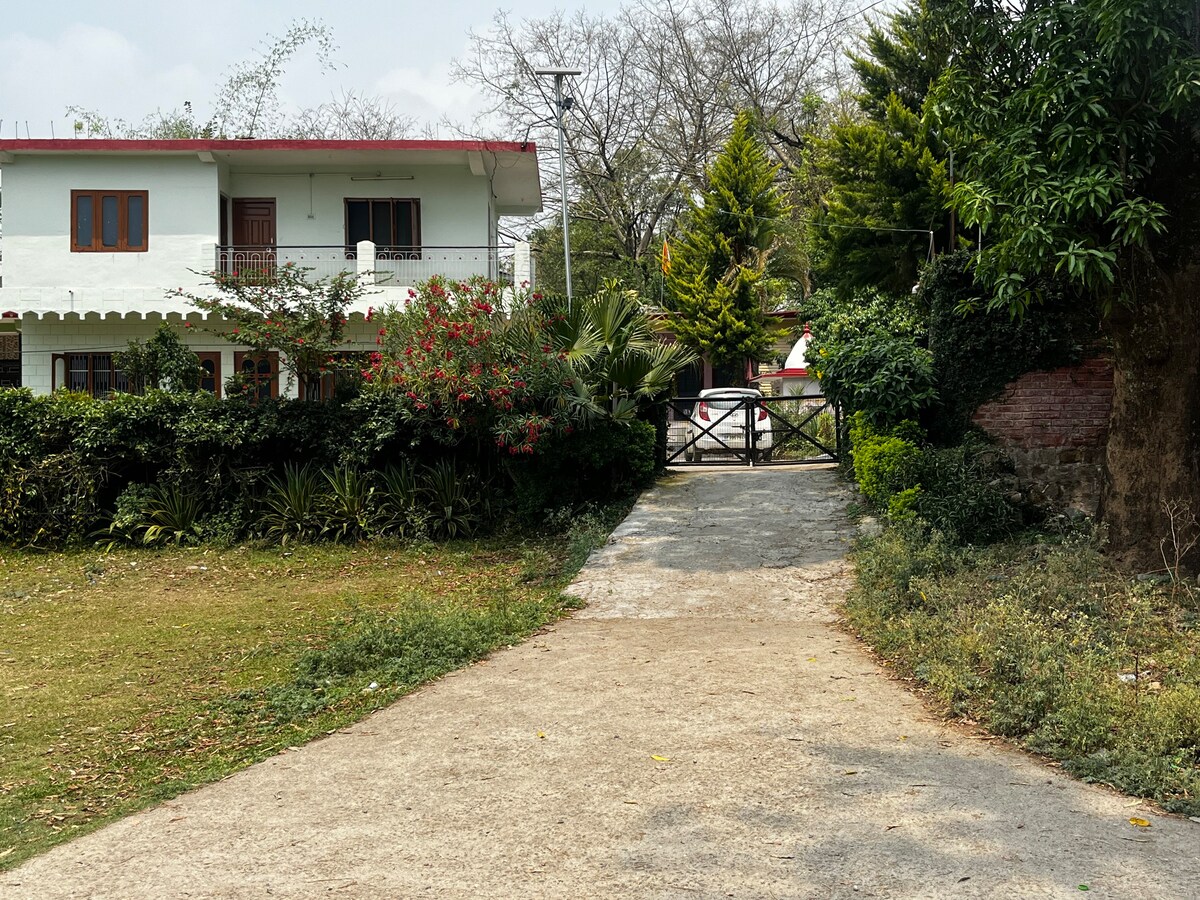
(614, 350)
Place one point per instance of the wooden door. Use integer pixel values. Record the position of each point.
(253, 251)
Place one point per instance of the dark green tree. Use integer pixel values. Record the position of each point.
(1081, 126)
(161, 362)
(885, 207)
(718, 278)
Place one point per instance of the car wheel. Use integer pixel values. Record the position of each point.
(689, 455)
(764, 455)
(697, 455)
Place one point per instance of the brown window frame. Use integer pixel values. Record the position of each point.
(330, 381)
(97, 246)
(115, 375)
(215, 356)
(240, 357)
(415, 222)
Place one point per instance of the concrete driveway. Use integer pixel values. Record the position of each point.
(701, 730)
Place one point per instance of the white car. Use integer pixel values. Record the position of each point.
(718, 424)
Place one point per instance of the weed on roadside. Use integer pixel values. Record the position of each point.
(1039, 640)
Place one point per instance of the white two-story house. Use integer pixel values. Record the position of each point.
(97, 232)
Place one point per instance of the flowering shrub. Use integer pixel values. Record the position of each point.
(283, 309)
(463, 367)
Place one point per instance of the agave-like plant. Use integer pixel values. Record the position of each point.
(399, 502)
(452, 504)
(294, 504)
(171, 515)
(349, 504)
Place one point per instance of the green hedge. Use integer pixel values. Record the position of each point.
(954, 490)
(66, 459)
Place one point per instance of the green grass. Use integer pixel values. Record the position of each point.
(1029, 638)
(131, 676)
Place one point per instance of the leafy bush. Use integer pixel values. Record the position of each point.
(959, 494)
(605, 462)
(888, 379)
(954, 490)
(883, 465)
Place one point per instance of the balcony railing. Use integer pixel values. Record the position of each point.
(391, 266)
(413, 265)
(254, 263)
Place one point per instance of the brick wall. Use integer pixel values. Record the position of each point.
(1054, 426)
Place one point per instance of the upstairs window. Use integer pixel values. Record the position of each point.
(392, 224)
(109, 221)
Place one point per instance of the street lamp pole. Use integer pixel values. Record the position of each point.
(560, 108)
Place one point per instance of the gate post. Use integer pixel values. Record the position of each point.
(751, 432)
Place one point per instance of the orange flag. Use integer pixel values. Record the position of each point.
(666, 257)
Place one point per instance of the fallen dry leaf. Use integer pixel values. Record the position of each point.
(660, 758)
(1140, 823)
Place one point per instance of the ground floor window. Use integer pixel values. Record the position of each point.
(210, 372)
(345, 377)
(259, 373)
(89, 373)
(10, 360)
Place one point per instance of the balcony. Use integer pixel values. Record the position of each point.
(380, 265)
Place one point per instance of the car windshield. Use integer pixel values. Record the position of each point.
(732, 403)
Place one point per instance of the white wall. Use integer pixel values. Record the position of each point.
(455, 205)
(182, 211)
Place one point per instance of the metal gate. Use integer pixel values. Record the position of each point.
(752, 430)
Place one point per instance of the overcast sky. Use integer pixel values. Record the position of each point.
(126, 59)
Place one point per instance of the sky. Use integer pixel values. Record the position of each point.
(127, 59)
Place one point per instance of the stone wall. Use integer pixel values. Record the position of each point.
(1054, 426)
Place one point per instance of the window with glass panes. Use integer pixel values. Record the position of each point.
(259, 373)
(393, 224)
(90, 373)
(109, 221)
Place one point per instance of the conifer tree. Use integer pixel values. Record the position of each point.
(718, 271)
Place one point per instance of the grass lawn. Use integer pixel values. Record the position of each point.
(129, 677)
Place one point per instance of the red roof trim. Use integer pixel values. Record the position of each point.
(782, 373)
(118, 145)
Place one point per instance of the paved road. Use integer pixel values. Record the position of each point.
(701, 730)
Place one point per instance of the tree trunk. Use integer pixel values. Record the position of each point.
(1152, 463)
(1153, 453)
